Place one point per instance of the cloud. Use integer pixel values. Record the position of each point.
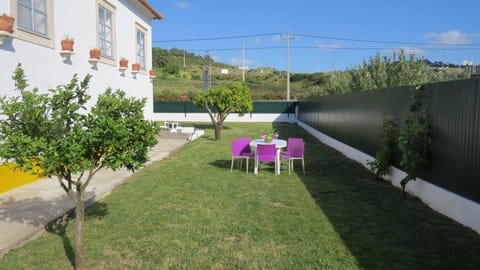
(238, 62)
(452, 37)
(182, 4)
(327, 47)
(257, 41)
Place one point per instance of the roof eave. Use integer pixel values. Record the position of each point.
(155, 14)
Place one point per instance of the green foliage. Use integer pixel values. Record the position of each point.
(414, 141)
(388, 142)
(268, 84)
(172, 69)
(221, 101)
(56, 132)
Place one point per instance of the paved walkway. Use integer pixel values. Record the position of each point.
(26, 210)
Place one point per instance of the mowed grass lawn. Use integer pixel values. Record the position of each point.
(190, 212)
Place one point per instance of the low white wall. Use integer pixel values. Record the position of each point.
(450, 204)
(234, 117)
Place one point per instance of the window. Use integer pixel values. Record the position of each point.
(141, 49)
(33, 16)
(105, 31)
(34, 21)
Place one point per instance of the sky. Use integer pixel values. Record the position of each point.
(322, 35)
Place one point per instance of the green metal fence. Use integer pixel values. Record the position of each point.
(356, 120)
(259, 106)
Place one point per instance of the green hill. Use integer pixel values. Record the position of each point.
(182, 72)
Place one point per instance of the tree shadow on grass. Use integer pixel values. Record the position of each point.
(60, 224)
(380, 228)
(51, 215)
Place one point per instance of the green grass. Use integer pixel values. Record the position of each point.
(190, 212)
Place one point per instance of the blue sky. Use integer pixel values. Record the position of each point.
(325, 35)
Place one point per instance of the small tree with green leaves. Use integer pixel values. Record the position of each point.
(414, 140)
(388, 142)
(55, 132)
(222, 101)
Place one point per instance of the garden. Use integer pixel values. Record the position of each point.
(190, 211)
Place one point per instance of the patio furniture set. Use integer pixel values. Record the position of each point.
(173, 126)
(268, 152)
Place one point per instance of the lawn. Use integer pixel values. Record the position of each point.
(190, 212)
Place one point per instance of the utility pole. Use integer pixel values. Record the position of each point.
(243, 62)
(287, 38)
(183, 58)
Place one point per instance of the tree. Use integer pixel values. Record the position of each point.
(55, 132)
(221, 101)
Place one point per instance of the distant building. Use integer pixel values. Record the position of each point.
(224, 71)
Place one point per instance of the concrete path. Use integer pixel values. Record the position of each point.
(26, 210)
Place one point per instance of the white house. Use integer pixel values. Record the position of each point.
(119, 28)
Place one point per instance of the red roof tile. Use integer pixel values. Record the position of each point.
(155, 14)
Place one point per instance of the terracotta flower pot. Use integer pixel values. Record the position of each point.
(67, 45)
(135, 67)
(123, 63)
(6, 23)
(152, 73)
(95, 53)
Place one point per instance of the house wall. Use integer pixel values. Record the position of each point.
(45, 68)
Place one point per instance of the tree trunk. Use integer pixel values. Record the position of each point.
(218, 132)
(79, 222)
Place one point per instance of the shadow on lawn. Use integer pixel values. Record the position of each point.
(379, 227)
(48, 214)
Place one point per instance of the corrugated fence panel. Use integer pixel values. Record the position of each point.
(356, 119)
(455, 151)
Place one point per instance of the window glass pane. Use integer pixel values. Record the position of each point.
(25, 17)
(141, 49)
(40, 5)
(105, 34)
(40, 23)
(27, 3)
(32, 16)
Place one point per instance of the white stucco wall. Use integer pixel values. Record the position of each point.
(45, 68)
(234, 117)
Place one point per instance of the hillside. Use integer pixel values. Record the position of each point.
(181, 72)
(176, 78)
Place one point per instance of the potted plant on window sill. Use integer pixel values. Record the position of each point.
(123, 63)
(152, 73)
(6, 27)
(67, 43)
(135, 68)
(6, 23)
(95, 53)
(67, 46)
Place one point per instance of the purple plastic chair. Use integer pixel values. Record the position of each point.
(295, 150)
(266, 153)
(241, 150)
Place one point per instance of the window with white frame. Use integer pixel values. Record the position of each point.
(106, 30)
(34, 20)
(32, 16)
(141, 49)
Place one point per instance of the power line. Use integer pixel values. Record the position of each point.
(214, 38)
(320, 37)
(330, 48)
(385, 41)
